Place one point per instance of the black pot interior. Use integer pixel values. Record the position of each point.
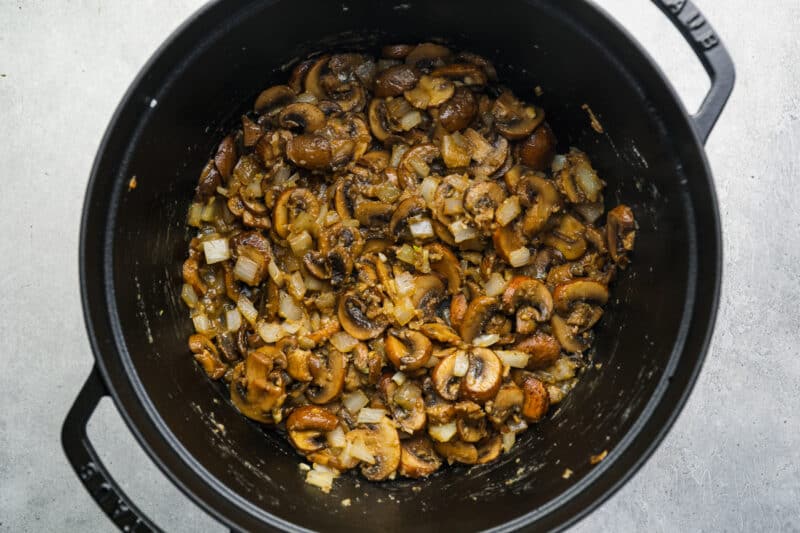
(210, 75)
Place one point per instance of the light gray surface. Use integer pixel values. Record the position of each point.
(732, 461)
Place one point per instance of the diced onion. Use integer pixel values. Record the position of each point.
(420, 227)
(406, 254)
(323, 480)
(462, 232)
(193, 218)
(202, 324)
(313, 283)
(443, 432)
(306, 98)
(419, 166)
(398, 151)
(461, 365)
(281, 175)
(399, 378)
(300, 243)
(233, 319)
(453, 206)
(188, 296)
(428, 188)
(359, 450)
(368, 415)
(350, 223)
(216, 250)
(246, 270)
(404, 311)
(495, 285)
(291, 327)
(404, 283)
(303, 222)
(486, 340)
(519, 257)
(410, 120)
(509, 438)
(275, 273)
(331, 218)
(253, 190)
(559, 162)
(508, 210)
(336, 438)
(343, 341)
(513, 358)
(296, 286)
(517, 425)
(288, 307)
(245, 306)
(586, 178)
(354, 401)
(270, 332)
(209, 212)
(386, 192)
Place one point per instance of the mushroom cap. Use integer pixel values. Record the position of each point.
(543, 350)
(395, 80)
(459, 111)
(309, 151)
(418, 458)
(307, 426)
(353, 312)
(301, 116)
(383, 442)
(274, 98)
(458, 451)
(445, 262)
(446, 383)
(489, 449)
(537, 399)
(328, 373)
(527, 291)
(484, 375)
(568, 294)
(291, 203)
(407, 349)
(477, 315)
(514, 120)
(539, 148)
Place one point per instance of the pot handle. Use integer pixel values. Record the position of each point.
(94, 476)
(712, 54)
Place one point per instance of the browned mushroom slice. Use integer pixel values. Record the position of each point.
(312, 82)
(427, 55)
(465, 73)
(428, 294)
(456, 451)
(508, 401)
(328, 368)
(210, 179)
(290, 204)
(226, 157)
(373, 213)
(378, 119)
(273, 99)
(298, 365)
(513, 119)
(484, 375)
(445, 262)
(488, 156)
(539, 149)
(459, 111)
(444, 377)
(479, 61)
(257, 388)
(346, 192)
(341, 236)
(537, 399)
(440, 333)
(301, 117)
(413, 206)
(253, 253)
(529, 300)
(577, 180)
(309, 151)
(298, 75)
(415, 164)
(359, 315)
(383, 443)
(471, 421)
(408, 407)
(541, 199)
(566, 295)
(207, 355)
(396, 51)
(418, 458)
(458, 309)
(543, 350)
(567, 237)
(569, 336)
(510, 245)
(481, 200)
(621, 233)
(307, 427)
(407, 350)
(483, 315)
(191, 275)
(430, 92)
(395, 80)
(489, 449)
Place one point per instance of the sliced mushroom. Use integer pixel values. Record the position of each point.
(465, 73)
(408, 407)
(207, 355)
(226, 157)
(471, 421)
(483, 315)
(537, 399)
(429, 292)
(507, 401)
(440, 333)
(427, 55)
(312, 82)
(298, 365)
(407, 349)
(621, 233)
(418, 458)
(307, 427)
(302, 117)
(257, 388)
(458, 309)
(345, 195)
(566, 295)
(359, 317)
(290, 204)
(378, 120)
(396, 51)
(273, 99)
(309, 151)
(508, 240)
(543, 350)
(484, 375)
(489, 157)
(489, 449)
(415, 164)
(383, 443)
(513, 119)
(445, 262)
(413, 206)
(567, 237)
(430, 92)
(539, 149)
(577, 180)
(481, 200)
(529, 300)
(328, 372)
(373, 213)
(541, 199)
(395, 80)
(459, 111)
(446, 383)
(456, 451)
(191, 275)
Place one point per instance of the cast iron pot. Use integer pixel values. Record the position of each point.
(651, 342)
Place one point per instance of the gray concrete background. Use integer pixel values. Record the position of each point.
(732, 461)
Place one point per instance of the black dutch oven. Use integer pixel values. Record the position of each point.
(651, 342)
